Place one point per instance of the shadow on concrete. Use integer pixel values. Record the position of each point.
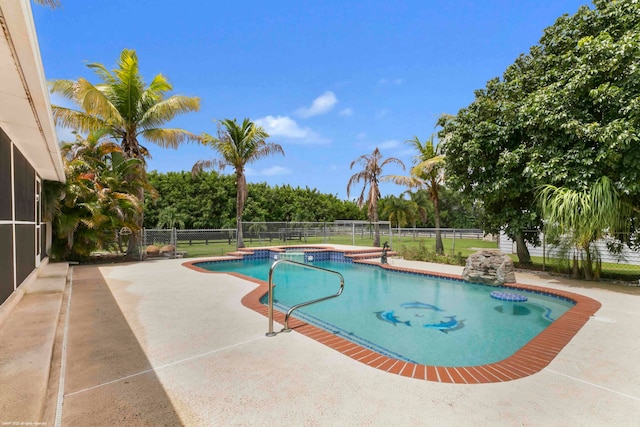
(109, 380)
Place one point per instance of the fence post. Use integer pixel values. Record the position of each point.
(544, 252)
(453, 244)
(353, 233)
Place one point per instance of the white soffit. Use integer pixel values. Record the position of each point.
(25, 110)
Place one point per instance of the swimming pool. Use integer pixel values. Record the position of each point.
(414, 318)
(528, 359)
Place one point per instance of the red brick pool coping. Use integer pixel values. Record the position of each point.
(528, 360)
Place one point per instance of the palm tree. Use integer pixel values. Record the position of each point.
(583, 217)
(399, 210)
(98, 199)
(238, 145)
(170, 217)
(426, 174)
(126, 109)
(49, 3)
(370, 175)
(422, 203)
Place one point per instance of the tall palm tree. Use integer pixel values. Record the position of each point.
(126, 109)
(371, 174)
(238, 145)
(426, 174)
(124, 106)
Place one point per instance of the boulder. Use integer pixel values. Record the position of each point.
(168, 249)
(153, 250)
(490, 267)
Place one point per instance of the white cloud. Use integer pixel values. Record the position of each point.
(391, 143)
(286, 127)
(396, 82)
(362, 136)
(275, 171)
(346, 112)
(272, 171)
(321, 105)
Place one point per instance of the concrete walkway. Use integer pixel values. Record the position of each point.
(27, 336)
(155, 343)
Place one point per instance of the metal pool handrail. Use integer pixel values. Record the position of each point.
(297, 306)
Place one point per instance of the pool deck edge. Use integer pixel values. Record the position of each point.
(530, 359)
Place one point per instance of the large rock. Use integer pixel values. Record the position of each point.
(153, 250)
(491, 267)
(168, 249)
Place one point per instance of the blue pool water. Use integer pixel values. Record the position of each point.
(415, 318)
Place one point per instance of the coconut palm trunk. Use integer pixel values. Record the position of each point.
(241, 188)
(436, 214)
(376, 224)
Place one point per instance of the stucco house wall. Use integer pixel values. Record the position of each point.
(29, 150)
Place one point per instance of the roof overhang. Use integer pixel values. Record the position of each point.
(25, 109)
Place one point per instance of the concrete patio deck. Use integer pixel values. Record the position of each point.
(155, 343)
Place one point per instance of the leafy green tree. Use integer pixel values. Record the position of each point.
(457, 211)
(564, 114)
(370, 175)
(204, 201)
(487, 152)
(238, 145)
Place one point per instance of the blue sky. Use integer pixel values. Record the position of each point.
(329, 80)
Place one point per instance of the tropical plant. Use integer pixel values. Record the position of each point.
(583, 217)
(127, 110)
(371, 175)
(237, 146)
(97, 200)
(170, 217)
(398, 210)
(53, 4)
(124, 106)
(426, 174)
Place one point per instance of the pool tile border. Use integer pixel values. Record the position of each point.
(528, 360)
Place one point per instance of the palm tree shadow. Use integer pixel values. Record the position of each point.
(110, 380)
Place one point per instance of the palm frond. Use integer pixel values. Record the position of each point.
(165, 110)
(53, 4)
(68, 118)
(169, 138)
(94, 100)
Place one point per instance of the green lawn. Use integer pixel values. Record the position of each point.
(463, 246)
(610, 270)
